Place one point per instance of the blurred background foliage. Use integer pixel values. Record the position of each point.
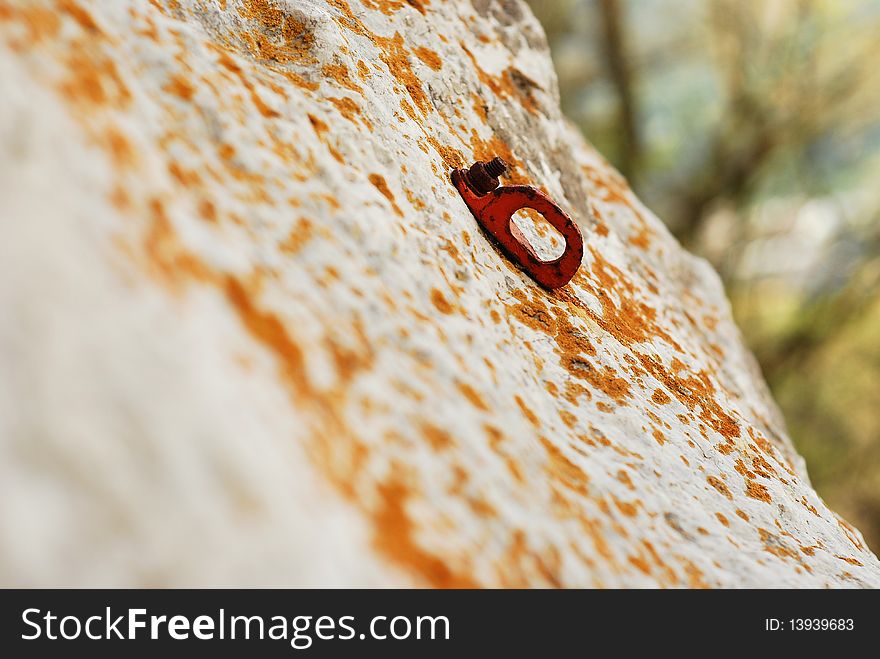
(752, 127)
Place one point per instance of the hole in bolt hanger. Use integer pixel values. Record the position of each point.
(544, 238)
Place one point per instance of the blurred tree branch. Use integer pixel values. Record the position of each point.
(821, 320)
(620, 71)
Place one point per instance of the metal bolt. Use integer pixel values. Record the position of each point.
(483, 176)
(496, 167)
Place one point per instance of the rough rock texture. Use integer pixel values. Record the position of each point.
(250, 334)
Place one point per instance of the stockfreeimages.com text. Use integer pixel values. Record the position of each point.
(299, 631)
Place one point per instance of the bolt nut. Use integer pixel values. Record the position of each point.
(483, 176)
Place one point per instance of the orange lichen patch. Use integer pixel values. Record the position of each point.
(231, 65)
(535, 315)
(742, 514)
(694, 391)
(394, 55)
(121, 199)
(659, 396)
(774, 545)
(321, 129)
(339, 74)
(278, 37)
(40, 24)
(695, 575)
(526, 561)
(764, 445)
(605, 379)
(471, 394)
(363, 70)
(451, 157)
(429, 57)
(719, 485)
(611, 186)
(120, 149)
(413, 200)
(167, 257)
(394, 538)
(495, 436)
(625, 507)
(438, 438)
(726, 447)
(80, 15)
(640, 563)
(762, 467)
(419, 5)
(510, 83)
(379, 183)
(340, 458)
(741, 469)
(666, 574)
(183, 176)
(480, 108)
(448, 246)
(296, 79)
(624, 478)
(481, 507)
(573, 392)
(208, 211)
(350, 110)
(527, 412)
(716, 350)
(563, 469)
(806, 504)
(94, 80)
(571, 345)
(328, 199)
(628, 320)
(387, 7)
(569, 419)
(722, 519)
(659, 436)
(656, 419)
(642, 239)
(347, 19)
(440, 302)
(303, 231)
(269, 331)
(181, 87)
(849, 559)
(851, 534)
(348, 361)
(757, 491)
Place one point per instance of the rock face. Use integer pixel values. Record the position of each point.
(250, 334)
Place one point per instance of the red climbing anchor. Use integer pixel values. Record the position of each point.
(493, 206)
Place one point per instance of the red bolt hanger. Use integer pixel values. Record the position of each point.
(493, 206)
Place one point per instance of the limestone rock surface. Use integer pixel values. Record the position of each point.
(250, 334)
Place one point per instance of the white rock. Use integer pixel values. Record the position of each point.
(250, 334)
